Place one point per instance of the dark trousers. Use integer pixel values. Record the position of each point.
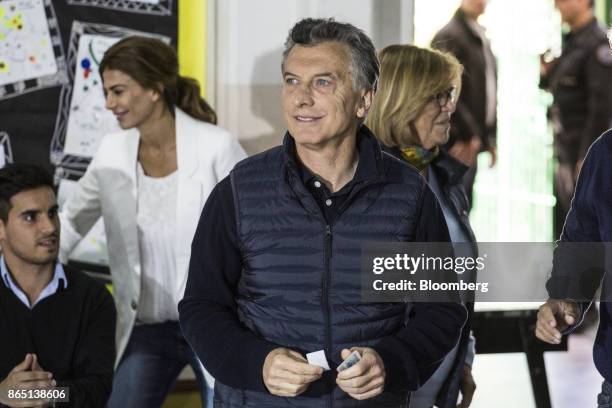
(153, 359)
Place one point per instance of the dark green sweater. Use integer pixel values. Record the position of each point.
(72, 332)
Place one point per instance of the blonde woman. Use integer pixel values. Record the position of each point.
(416, 97)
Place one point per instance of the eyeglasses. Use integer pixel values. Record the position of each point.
(444, 97)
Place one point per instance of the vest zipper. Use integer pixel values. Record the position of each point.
(325, 298)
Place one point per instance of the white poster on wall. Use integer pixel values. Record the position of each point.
(92, 248)
(89, 120)
(31, 53)
(26, 51)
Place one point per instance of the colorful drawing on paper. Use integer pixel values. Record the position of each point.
(89, 120)
(26, 48)
(92, 248)
(159, 7)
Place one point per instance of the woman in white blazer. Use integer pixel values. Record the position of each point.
(149, 182)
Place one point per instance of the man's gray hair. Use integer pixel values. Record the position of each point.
(365, 66)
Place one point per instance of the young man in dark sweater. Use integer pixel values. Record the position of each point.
(58, 326)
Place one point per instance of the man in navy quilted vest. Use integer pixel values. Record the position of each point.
(275, 264)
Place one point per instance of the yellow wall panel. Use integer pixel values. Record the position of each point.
(192, 40)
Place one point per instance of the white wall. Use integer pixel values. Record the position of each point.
(247, 40)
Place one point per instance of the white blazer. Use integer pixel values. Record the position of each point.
(205, 155)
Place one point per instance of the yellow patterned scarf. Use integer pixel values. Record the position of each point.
(419, 157)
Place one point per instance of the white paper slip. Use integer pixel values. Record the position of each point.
(318, 358)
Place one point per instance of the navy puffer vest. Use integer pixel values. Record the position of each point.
(300, 283)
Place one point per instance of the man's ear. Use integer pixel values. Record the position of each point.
(365, 103)
(2, 231)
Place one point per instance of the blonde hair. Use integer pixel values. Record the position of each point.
(409, 77)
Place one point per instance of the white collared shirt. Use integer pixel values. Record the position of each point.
(50, 289)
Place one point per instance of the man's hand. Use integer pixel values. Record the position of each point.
(555, 316)
(286, 373)
(36, 367)
(467, 386)
(22, 377)
(366, 379)
(35, 364)
(466, 152)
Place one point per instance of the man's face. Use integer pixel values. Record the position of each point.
(474, 8)
(570, 10)
(320, 105)
(31, 233)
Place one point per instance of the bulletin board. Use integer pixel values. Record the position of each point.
(42, 77)
(51, 100)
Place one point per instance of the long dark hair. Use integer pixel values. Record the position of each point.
(151, 62)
